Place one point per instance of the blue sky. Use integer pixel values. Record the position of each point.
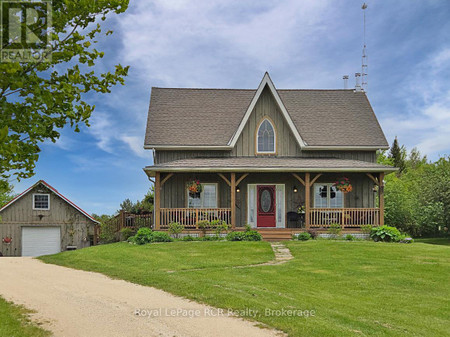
(230, 44)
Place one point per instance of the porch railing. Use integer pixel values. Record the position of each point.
(189, 217)
(346, 217)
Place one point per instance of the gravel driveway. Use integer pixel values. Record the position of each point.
(78, 303)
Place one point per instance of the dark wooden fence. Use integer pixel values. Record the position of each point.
(133, 221)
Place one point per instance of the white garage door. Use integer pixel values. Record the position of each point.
(37, 241)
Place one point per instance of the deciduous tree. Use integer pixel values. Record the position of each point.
(38, 99)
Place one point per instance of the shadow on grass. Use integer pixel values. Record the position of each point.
(435, 241)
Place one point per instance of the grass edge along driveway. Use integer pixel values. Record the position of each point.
(355, 288)
(15, 321)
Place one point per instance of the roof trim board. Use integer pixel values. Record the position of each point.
(266, 81)
(151, 170)
(54, 190)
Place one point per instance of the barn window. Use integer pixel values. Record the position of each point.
(41, 201)
(266, 142)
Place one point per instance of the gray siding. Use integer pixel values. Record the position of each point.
(75, 226)
(167, 156)
(266, 107)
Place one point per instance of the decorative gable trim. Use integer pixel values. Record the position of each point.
(266, 81)
(42, 182)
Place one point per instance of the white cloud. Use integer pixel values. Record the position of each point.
(207, 43)
(426, 123)
(136, 145)
(111, 135)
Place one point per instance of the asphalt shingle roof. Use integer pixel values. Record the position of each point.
(201, 117)
(262, 164)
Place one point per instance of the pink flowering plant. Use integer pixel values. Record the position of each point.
(343, 185)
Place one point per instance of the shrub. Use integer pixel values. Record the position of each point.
(236, 236)
(313, 233)
(304, 236)
(108, 230)
(161, 237)
(126, 233)
(144, 235)
(175, 228)
(252, 236)
(366, 229)
(188, 238)
(335, 229)
(385, 233)
(247, 235)
(203, 225)
(349, 237)
(219, 226)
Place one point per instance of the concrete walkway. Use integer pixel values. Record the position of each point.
(74, 303)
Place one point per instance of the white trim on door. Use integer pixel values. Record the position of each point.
(279, 203)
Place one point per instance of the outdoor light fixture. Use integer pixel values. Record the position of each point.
(295, 189)
(238, 189)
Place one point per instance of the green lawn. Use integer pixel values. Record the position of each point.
(435, 241)
(14, 321)
(355, 288)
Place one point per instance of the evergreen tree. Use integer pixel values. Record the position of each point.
(398, 156)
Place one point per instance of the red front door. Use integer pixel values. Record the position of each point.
(266, 206)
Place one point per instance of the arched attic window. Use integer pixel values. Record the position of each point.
(266, 138)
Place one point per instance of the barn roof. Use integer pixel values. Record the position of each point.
(54, 190)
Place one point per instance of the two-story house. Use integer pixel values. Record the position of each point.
(266, 157)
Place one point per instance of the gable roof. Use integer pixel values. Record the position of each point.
(266, 81)
(214, 118)
(54, 190)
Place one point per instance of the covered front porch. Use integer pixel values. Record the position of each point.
(273, 196)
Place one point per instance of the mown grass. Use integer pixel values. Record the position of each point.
(14, 321)
(435, 241)
(355, 288)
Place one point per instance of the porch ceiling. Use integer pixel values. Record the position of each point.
(267, 164)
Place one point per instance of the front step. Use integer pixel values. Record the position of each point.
(276, 235)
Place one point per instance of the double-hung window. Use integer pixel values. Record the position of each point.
(206, 199)
(327, 196)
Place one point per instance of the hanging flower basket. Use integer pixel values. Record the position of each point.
(343, 185)
(194, 187)
(7, 240)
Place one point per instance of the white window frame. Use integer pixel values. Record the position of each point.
(252, 207)
(41, 194)
(328, 195)
(201, 196)
(274, 137)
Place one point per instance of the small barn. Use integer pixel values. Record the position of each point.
(41, 221)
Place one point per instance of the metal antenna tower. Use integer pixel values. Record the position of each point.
(364, 59)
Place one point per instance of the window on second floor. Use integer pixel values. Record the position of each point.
(266, 141)
(41, 201)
